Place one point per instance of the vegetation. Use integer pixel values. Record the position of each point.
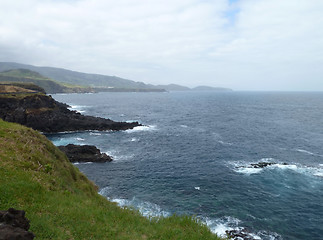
(62, 203)
(26, 76)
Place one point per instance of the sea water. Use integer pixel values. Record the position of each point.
(193, 156)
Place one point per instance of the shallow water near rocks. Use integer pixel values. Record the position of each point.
(194, 153)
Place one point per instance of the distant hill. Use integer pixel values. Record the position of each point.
(208, 88)
(28, 76)
(63, 80)
(173, 87)
(78, 78)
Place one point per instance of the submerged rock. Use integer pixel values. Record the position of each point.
(84, 153)
(43, 113)
(14, 225)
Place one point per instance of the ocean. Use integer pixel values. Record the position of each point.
(194, 154)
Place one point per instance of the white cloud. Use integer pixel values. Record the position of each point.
(253, 44)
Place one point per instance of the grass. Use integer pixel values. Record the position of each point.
(62, 203)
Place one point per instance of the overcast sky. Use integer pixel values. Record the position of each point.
(240, 44)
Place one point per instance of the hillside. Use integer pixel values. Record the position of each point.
(78, 78)
(62, 203)
(28, 76)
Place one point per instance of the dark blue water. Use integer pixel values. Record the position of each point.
(194, 155)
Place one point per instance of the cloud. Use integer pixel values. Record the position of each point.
(246, 44)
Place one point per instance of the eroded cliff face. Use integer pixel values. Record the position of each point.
(43, 113)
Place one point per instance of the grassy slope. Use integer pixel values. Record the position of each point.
(63, 204)
(51, 86)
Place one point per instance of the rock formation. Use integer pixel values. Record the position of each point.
(43, 113)
(14, 225)
(84, 153)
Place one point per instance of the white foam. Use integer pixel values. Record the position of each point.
(147, 209)
(77, 163)
(78, 108)
(197, 188)
(225, 143)
(105, 191)
(184, 126)
(308, 152)
(221, 225)
(117, 157)
(134, 140)
(304, 151)
(95, 134)
(80, 139)
(248, 170)
(142, 128)
(285, 166)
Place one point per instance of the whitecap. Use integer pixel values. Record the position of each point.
(105, 191)
(77, 163)
(285, 166)
(221, 225)
(134, 140)
(197, 188)
(305, 151)
(142, 128)
(225, 143)
(117, 157)
(308, 152)
(95, 133)
(147, 209)
(78, 108)
(80, 139)
(248, 170)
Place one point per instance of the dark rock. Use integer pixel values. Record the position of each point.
(84, 153)
(240, 234)
(8, 232)
(262, 164)
(43, 113)
(14, 225)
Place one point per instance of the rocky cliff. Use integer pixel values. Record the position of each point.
(43, 113)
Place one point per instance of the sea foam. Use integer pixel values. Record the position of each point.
(142, 128)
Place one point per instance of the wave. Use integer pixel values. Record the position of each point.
(147, 209)
(79, 139)
(95, 134)
(77, 163)
(221, 226)
(225, 143)
(308, 152)
(78, 108)
(218, 226)
(248, 169)
(117, 157)
(142, 128)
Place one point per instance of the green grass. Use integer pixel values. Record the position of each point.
(62, 203)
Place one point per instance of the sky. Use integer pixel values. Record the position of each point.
(240, 44)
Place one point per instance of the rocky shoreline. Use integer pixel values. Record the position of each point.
(43, 113)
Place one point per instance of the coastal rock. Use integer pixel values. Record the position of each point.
(43, 113)
(14, 225)
(262, 164)
(240, 234)
(84, 153)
